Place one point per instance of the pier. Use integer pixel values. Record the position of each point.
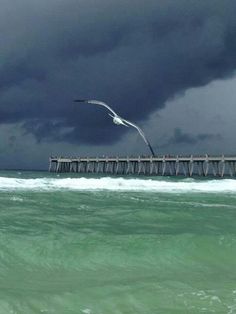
(165, 165)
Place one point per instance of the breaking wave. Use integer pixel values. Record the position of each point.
(118, 184)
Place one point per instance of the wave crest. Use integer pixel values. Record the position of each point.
(118, 184)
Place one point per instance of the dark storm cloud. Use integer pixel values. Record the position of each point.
(133, 54)
(180, 137)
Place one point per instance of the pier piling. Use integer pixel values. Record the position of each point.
(148, 165)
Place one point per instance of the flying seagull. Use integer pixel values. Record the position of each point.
(118, 120)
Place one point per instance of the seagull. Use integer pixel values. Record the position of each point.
(118, 120)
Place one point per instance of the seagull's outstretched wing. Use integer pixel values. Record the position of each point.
(96, 102)
(138, 128)
(141, 133)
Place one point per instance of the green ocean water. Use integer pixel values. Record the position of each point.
(116, 245)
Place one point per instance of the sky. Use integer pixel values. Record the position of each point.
(168, 66)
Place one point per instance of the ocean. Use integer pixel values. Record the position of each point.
(116, 245)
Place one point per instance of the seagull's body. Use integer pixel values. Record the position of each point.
(118, 120)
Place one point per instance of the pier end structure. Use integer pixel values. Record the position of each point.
(165, 165)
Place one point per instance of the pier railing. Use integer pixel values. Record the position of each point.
(147, 165)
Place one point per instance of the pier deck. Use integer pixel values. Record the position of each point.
(146, 165)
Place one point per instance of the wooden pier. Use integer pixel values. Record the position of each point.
(151, 166)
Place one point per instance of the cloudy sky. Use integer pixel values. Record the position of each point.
(167, 65)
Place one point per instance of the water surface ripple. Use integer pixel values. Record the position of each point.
(116, 245)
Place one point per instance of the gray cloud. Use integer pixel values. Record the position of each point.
(180, 137)
(134, 55)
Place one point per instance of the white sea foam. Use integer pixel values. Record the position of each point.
(118, 184)
(16, 199)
